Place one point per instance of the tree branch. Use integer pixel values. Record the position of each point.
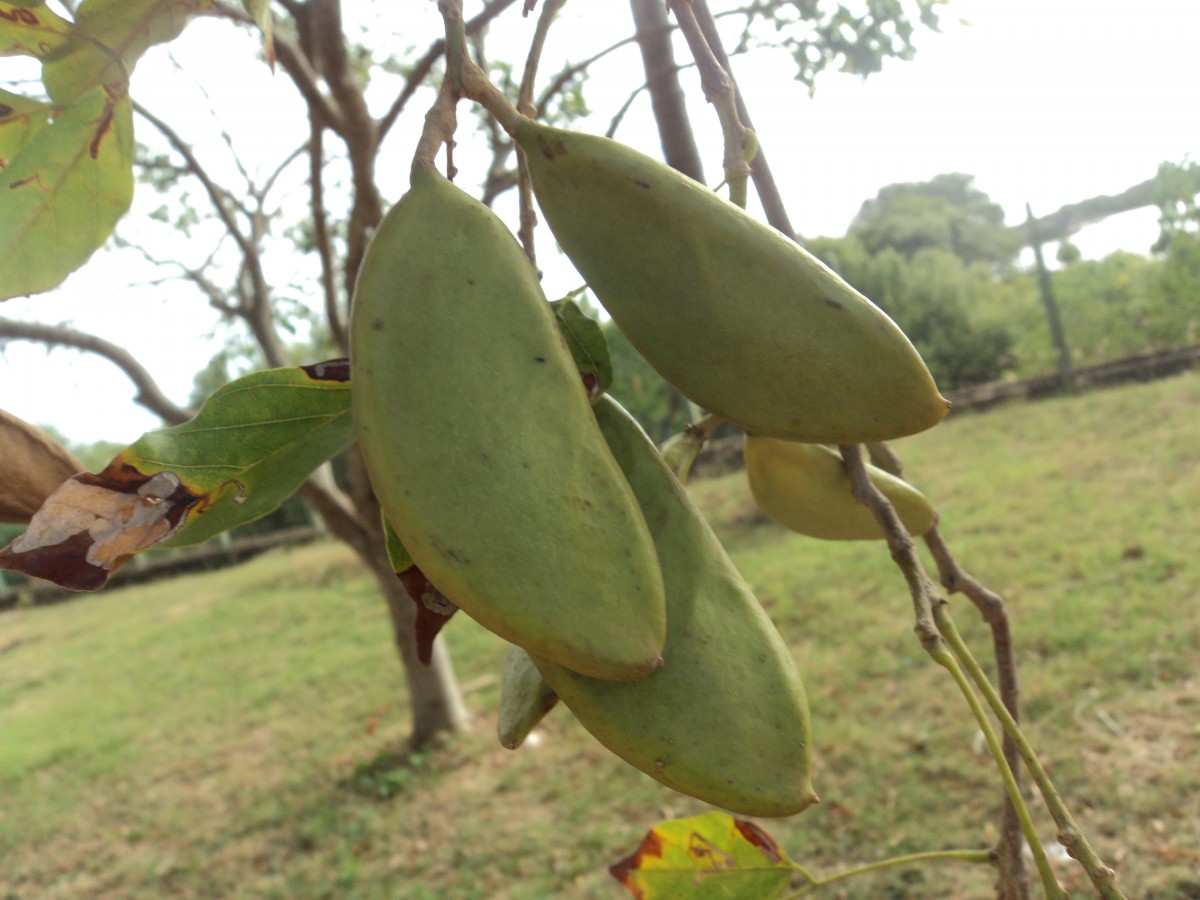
(149, 394)
(423, 66)
(321, 239)
(760, 170)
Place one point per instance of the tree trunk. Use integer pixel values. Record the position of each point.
(662, 82)
(437, 703)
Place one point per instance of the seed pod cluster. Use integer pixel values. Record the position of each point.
(560, 527)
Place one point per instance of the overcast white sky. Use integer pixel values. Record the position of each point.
(1045, 103)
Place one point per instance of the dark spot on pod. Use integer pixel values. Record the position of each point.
(5, 110)
(834, 303)
(640, 183)
(377, 324)
(540, 359)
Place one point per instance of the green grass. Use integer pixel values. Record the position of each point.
(240, 733)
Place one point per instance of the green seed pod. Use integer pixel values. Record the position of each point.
(737, 317)
(481, 444)
(725, 719)
(525, 698)
(805, 487)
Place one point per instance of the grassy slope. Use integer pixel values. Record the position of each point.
(233, 734)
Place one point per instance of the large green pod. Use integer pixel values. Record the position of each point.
(805, 487)
(481, 444)
(740, 319)
(725, 719)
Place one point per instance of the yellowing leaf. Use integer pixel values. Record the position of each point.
(20, 119)
(30, 29)
(107, 40)
(64, 190)
(706, 857)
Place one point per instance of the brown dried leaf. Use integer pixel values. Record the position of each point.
(93, 524)
(32, 466)
(433, 610)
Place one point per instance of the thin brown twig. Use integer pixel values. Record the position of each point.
(528, 215)
(1010, 847)
(760, 170)
(719, 90)
(422, 67)
(927, 601)
(991, 607)
(321, 238)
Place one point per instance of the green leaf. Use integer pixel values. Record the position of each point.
(64, 190)
(30, 29)
(20, 119)
(397, 555)
(586, 340)
(108, 39)
(706, 857)
(253, 443)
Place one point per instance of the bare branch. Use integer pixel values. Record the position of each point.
(316, 183)
(149, 394)
(667, 98)
(216, 194)
(423, 66)
(760, 170)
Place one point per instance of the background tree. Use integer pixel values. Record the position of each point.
(946, 213)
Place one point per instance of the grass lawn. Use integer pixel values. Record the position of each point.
(240, 733)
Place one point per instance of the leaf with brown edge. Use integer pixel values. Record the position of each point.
(107, 40)
(63, 190)
(433, 608)
(706, 857)
(32, 466)
(20, 119)
(251, 445)
(31, 29)
(93, 524)
(248, 449)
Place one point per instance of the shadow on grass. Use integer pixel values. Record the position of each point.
(390, 773)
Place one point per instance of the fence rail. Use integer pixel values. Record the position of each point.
(725, 453)
(214, 554)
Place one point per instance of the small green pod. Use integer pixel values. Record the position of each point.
(481, 446)
(726, 717)
(741, 320)
(525, 698)
(805, 487)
